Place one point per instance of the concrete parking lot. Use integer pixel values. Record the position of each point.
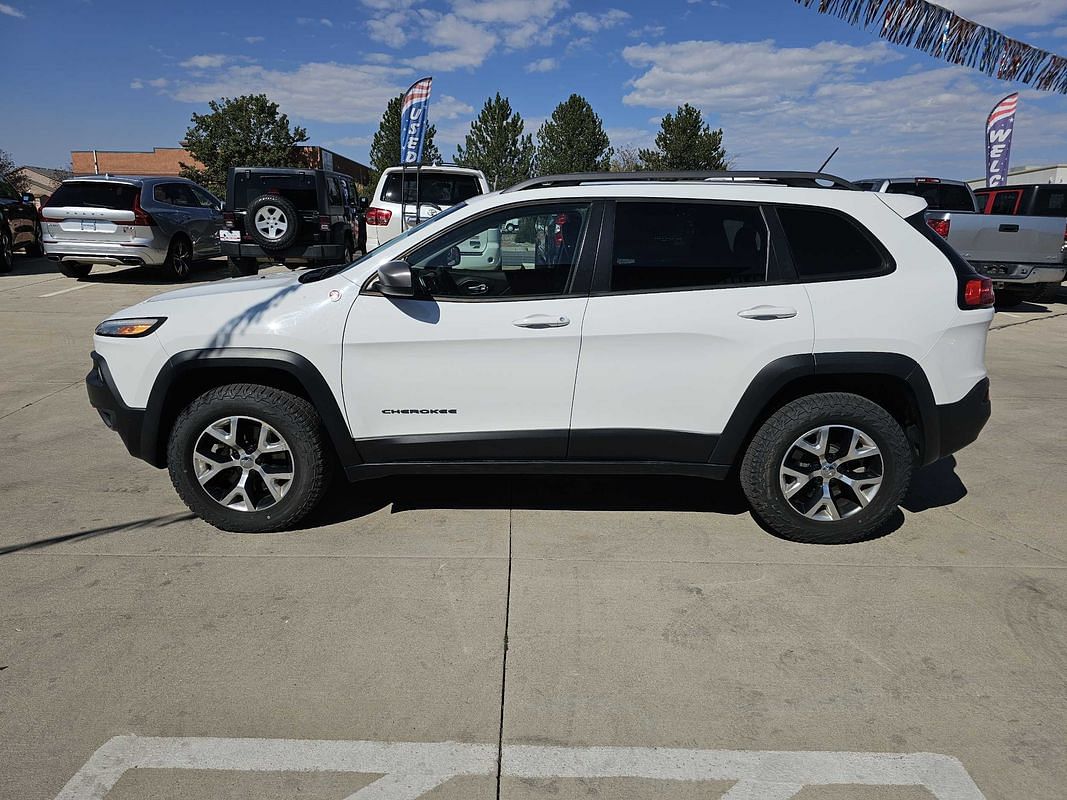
(535, 623)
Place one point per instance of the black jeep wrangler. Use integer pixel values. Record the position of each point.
(293, 217)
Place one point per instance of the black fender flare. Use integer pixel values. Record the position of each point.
(222, 358)
(777, 375)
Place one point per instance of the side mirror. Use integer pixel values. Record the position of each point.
(27, 197)
(395, 279)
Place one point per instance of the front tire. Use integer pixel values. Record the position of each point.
(827, 469)
(248, 458)
(7, 252)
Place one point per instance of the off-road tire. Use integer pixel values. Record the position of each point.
(766, 452)
(243, 267)
(291, 416)
(75, 269)
(292, 221)
(179, 262)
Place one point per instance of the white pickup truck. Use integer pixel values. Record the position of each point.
(1023, 255)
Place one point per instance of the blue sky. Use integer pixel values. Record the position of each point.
(786, 84)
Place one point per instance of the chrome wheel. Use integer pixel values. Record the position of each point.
(182, 258)
(243, 463)
(271, 222)
(831, 472)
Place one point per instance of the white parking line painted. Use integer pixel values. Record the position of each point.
(73, 288)
(410, 769)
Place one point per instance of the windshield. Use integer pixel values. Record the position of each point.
(442, 188)
(938, 196)
(413, 229)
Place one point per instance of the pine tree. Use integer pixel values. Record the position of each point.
(246, 130)
(685, 141)
(573, 140)
(496, 145)
(385, 147)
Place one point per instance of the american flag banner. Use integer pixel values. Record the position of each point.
(998, 130)
(414, 110)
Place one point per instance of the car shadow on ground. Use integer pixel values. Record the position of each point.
(202, 272)
(32, 265)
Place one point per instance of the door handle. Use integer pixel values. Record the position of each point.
(541, 321)
(1008, 228)
(768, 312)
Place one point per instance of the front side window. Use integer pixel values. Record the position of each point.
(687, 246)
(525, 252)
(826, 245)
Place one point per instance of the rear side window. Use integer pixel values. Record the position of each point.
(826, 245)
(440, 188)
(1051, 201)
(1004, 203)
(938, 196)
(333, 191)
(687, 246)
(95, 194)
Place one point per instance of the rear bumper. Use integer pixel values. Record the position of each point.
(127, 422)
(1020, 274)
(309, 252)
(962, 421)
(131, 254)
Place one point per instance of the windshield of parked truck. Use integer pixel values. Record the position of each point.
(439, 188)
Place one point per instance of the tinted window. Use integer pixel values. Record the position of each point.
(205, 199)
(516, 253)
(938, 196)
(333, 191)
(298, 188)
(1004, 203)
(440, 188)
(1051, 201)
(95, 194)
(687, 246)
(828, 245)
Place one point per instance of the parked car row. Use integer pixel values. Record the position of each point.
(1022, 252)
(19, 229)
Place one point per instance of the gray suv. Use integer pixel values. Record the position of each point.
(110, 219)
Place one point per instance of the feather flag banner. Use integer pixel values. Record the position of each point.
(946, 35)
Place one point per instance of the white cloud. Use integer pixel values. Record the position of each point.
(1060, 32)
(254, 39)
(652, 31)
(542, 65)
(591, 23)
(206, 61)
(326, 23)
(136, 83)
(1008, 13)
(739, 75)
(389, 28)
(11, 11)
(462, 45)
(155, 83)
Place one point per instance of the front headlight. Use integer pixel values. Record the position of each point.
(129, 328)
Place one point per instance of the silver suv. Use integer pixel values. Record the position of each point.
(110, 219)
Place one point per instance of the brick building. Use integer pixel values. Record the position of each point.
(168, 161)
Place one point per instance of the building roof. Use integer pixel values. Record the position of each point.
(49, 172)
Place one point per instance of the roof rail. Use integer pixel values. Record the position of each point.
(809, 180)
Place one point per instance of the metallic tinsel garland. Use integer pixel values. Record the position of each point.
(946, 35)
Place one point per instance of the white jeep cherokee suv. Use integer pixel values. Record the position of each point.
(819, 341)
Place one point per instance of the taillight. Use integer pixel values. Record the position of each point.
(228, 219)
(324, 224)
(977, 293)
(940, 226)
(140, 216)
(378, 216)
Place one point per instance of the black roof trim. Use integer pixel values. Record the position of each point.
(808, 180)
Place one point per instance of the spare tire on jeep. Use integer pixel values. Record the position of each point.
(272, 222)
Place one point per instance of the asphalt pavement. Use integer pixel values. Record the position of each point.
(525, 637)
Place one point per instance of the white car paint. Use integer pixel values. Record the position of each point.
(676, 360)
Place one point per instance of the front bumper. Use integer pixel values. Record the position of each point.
(962, 421)
(130, 254)
(301, 252)
(1019, 274)
(127, 422)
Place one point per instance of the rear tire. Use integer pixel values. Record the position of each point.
(179, 262)
(272, 222)
(226, 484)
(243, 266)
(806, 497)
(75, 269)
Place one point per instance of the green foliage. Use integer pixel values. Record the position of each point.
(9, 171)
(385, 147)
(685, 142)
(573, 140)
(496, 145)
(242, 131)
